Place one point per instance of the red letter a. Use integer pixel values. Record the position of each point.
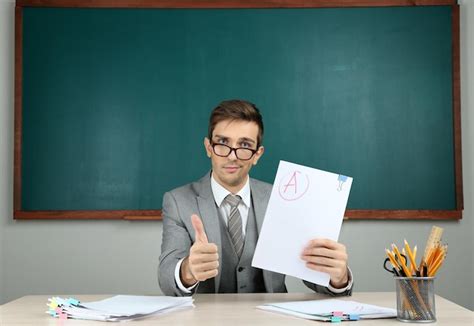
(292, 182)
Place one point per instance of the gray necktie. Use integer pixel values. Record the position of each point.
(234, 224)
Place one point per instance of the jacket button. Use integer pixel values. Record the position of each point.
(240, 269)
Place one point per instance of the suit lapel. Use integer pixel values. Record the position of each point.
(210, 219)
(260, 202)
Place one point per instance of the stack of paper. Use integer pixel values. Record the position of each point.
(327, 310)
(117, 308)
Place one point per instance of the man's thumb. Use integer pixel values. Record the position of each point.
(198, 229)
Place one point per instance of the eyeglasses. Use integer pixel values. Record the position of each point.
(241, 153)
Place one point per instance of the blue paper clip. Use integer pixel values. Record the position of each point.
(341, 178)
(73, 301)
(335, 319)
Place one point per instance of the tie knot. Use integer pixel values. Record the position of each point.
(232, 200)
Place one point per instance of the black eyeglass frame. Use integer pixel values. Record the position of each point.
(234, 149)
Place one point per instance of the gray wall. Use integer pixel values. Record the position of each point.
(6, 131)
(77, 257)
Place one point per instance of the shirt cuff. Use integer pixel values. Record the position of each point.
(349, 284)
(177, 279)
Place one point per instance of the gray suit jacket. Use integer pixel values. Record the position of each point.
(178, 233)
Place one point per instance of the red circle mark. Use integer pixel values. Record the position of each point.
(299, 194)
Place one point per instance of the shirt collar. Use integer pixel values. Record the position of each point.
(220, 192)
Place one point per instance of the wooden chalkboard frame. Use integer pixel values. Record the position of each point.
(156, 214)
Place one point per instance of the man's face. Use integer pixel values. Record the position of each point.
(230, 171)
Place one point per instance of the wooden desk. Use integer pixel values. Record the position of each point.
(225, 309)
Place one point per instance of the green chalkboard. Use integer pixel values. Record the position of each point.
(115, 102)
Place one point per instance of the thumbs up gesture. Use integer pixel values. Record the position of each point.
(203, 260)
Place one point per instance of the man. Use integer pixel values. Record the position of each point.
(211, 227)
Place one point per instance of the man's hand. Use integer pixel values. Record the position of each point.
(203, 260)
(328, 256)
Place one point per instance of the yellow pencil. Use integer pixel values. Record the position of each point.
(414, 258)
(431, 257)
(435, 269)
(392, 259)
(401, 262)
(411, 257)
(436, 260)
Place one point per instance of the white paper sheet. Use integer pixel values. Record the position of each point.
(135, 304)
(318, 309)
(305, 204)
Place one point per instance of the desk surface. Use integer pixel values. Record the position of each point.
(225, 309)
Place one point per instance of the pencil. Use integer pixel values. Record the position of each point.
(429, 257)
(411, 257)
(414, 266)
(392, 259)
(401, 262)
(438, 262)
(435, 269)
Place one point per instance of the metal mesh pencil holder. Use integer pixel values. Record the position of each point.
(415, 299)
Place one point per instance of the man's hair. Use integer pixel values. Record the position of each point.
(236, 110)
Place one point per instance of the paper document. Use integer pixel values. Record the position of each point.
(117, 308)
(305, 204)
(325, 309)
